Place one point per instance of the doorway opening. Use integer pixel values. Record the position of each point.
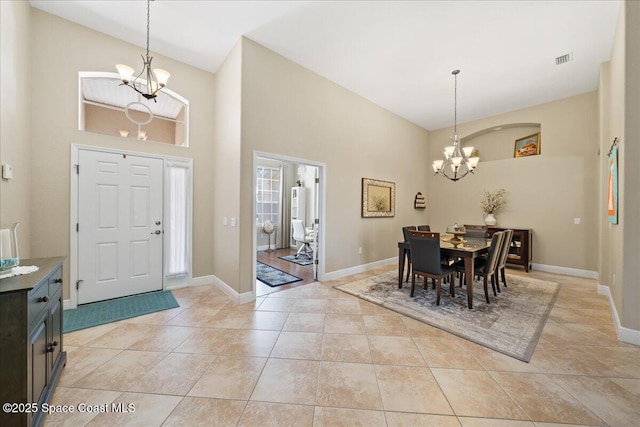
(288, 195)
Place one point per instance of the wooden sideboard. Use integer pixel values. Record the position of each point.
(520, 249)
(31, 355)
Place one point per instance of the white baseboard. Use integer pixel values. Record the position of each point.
(197, 281)
(630, 336)
(565, 270)
(231, 293)
(332, 275)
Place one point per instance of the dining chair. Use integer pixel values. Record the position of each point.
(424, 234)
(405, 234)
(476, 231)
(418, 231)
(485, 267)
(425, 248)
(502, 260)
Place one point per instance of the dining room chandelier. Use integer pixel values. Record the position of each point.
(458, 161)
(156, 79)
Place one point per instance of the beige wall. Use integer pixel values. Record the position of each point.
(544, 192)
(620, 109)
(63, 49)
(288, 110)
(225, 185)
(15, 118)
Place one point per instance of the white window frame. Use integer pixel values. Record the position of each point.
(277, 211)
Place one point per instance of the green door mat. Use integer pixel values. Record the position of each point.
(99, 313)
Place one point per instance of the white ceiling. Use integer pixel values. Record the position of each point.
(398, 54)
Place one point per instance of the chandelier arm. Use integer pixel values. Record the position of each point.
(455, 176)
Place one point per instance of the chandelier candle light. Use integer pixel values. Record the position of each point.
(156, 79)
(457, 158)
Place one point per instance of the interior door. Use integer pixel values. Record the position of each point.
(119, 225)
(316, 224)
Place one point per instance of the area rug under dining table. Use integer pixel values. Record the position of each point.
(510, 324)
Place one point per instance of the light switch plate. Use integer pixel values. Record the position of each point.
(7, 171)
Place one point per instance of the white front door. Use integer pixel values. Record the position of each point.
(119, 225)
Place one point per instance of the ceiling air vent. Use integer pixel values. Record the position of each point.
(564, 58)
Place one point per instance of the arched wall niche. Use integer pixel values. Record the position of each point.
(498, 142)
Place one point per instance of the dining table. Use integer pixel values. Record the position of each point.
(466, 249)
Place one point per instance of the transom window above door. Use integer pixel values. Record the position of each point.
(104, 106)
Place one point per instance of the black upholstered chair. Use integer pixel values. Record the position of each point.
(426, 261)
(405, 234)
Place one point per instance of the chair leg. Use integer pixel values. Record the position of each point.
(486, 290)
(494, 285)
(504, 280)
(413, 283)
(408, 268)
(451, 286)
(461, 279)
(438, 290)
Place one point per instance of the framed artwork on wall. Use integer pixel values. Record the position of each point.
(378, 198)
(612, 184)
(527, 146)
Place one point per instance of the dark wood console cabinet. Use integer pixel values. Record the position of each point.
(520, 249)
(31, 351)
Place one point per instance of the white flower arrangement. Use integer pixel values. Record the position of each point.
(492, 201)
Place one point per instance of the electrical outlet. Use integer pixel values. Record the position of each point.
(233, 222)
(225, 221)
(576, 221)
(360, 250)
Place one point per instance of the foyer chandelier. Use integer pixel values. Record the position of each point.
(156, 79)
(458, 161)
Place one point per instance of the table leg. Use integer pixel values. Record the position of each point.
(401, 257)
(468, 272)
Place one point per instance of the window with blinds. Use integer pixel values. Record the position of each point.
(268, 195)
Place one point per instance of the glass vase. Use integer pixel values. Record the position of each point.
(9, 257)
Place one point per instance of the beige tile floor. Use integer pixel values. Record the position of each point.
(313, 355)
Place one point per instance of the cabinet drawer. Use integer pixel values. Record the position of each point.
(38, 299)
(55, 282)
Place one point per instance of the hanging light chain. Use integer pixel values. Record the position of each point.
(148, 23)
(455, 101)
(458, 159)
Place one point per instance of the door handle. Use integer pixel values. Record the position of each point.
(157, 232)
